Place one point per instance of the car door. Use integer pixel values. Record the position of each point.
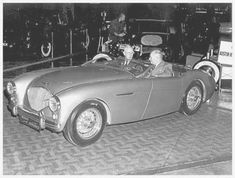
(165, 96)
(127, 99)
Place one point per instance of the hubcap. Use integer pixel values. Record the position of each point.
(89, 123)
(194, 98)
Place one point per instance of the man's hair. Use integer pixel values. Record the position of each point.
(157, 51)
(121, 14)
(128, 47)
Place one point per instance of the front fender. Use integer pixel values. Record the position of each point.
(71, 98)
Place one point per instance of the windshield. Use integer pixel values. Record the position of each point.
(135, 67)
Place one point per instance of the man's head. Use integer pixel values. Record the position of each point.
(156, 57)
(122, 17)
(128, 53)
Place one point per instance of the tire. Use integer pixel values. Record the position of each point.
(86, 123)
(210, 67)
(67, 135)
(48, 49)
(189, 104)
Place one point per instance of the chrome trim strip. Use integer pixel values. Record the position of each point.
(124, 94)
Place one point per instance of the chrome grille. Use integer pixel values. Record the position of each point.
(38, 98)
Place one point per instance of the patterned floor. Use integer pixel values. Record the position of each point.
(169, 141)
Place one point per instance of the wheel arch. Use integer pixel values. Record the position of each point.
(203, 88)
(104, 104)
(107, 109)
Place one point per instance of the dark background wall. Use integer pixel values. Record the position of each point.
(27, 25)
(138, 10)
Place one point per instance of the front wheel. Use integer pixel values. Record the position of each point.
(193, 99)
(86, 124)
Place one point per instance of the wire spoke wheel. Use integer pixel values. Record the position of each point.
(194, 98)
(86, 123)
(89, 123)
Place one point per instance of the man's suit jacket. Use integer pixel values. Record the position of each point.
(163, 69)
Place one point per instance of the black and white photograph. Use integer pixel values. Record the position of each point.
(117, 88)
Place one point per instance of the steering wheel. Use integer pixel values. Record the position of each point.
(147, 72)
(97, 57)
(139, 68)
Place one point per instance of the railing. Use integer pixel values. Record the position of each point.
(46, 60)
(52, 58)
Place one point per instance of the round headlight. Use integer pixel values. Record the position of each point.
(11, 88)
(54, 104)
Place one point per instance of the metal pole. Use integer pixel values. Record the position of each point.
(71, 46)
(98, 49)
(87, 44)
(86, 55)
(52, 49)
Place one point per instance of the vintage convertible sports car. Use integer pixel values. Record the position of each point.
(81, 100)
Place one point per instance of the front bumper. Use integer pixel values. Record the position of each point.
(35, 120)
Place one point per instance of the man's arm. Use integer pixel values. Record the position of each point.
(114, 29)
(167, 71)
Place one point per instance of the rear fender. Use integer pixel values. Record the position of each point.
(207, 82)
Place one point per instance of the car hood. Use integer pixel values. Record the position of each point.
(57, 81)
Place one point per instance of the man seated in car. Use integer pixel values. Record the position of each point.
(128, 53)
(125, 61)
(161, 68)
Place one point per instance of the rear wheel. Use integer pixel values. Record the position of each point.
(193, 99)
(86, 124)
